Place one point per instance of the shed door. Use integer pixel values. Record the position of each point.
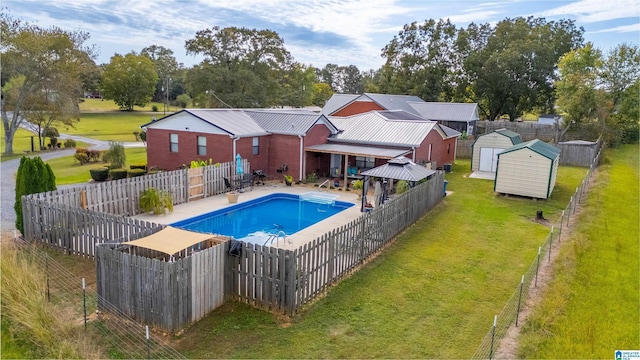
(489, 159)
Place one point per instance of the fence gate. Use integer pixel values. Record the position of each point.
(196, 183)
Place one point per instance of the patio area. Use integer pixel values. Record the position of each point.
(294, 241)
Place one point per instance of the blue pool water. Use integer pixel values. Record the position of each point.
(254, 220)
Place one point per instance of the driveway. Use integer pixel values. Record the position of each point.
(8, 170)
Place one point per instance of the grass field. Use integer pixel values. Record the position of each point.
(21, 143)
(69, 171)
(108, 126)
(591, 306)
(99, 105)
(431, 295)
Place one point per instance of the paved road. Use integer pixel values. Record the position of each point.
(9, 168)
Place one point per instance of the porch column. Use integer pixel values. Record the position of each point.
(344, 173)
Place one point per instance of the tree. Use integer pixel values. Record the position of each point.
(166, 67)
(342, 79)
(580, 97)
(242, 67)
(320, 94)
(620, 70)
(33, 176)
(37, 60)
(129, 80)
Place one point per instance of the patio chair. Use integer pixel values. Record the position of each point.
(227, 183)
(246, 181)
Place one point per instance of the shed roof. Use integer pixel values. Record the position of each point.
(375, 128)
(513, 136)
(444, 111)
(358, 150)
(386, 101)
(171, 240)
(536, 145)
(400, 168)
(578, 142)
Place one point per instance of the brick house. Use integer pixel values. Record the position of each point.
(270, 140)
(297, 142)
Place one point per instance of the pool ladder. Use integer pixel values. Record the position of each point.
(321, 185)
(276, 237)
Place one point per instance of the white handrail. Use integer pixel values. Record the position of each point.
(321, 185)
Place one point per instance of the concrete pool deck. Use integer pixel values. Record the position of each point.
(294, 241)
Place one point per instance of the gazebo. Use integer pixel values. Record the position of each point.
(399, 168)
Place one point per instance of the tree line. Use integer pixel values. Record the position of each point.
(516, 66)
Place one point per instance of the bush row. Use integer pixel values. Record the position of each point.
(103, 174)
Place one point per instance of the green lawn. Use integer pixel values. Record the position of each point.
(591, 306)
(108, 126)
(68, 170)
(431, 295)
(99, 105)
(21, 143)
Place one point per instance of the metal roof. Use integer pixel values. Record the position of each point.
(234, 121)
(400, 168)
(375, 129)
(578, 142)
(538, 146)
(444, 111)
(386, 101)
(358, 150)
(449, 132)
(289, 122)
(336, 101)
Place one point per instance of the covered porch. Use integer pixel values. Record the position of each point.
(344, 163)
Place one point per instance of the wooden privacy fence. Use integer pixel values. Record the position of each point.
(284, 280)
(578, 153)
(528, 130)
(75, 230)
(120, 197)
(463, 149)
(165, 295)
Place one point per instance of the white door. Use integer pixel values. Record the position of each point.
(489, 159)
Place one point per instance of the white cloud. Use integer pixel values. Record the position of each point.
(619, 29)
(590, 11)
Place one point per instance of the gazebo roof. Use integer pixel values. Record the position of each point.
(400, 168)
(171, 240)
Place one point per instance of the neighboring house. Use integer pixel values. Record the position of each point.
(486, 147)
(528, 169)
(458, 116)
(268, 139)
(348, 104)
(550, 119)
(371, 139)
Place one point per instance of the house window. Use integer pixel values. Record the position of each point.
(173, 142)
(202, 146)
(365, 162)
(256, 145)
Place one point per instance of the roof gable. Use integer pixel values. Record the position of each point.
(289, 122)
(386, 101)
(536, 145)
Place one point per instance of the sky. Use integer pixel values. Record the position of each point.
(315, 32)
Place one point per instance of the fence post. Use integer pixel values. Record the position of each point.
(46, 271)
(147, 337)
(561, 221)
(519, 299)
(550, 242)
(575, 204)
(569, 210)
(84, 302)
(537, 266)
(493, 335)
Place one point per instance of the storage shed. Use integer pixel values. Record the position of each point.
(485, 150)
(528, 169)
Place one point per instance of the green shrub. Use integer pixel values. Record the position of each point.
(50, 132)
(156, 201)
(143, 136)
(69, 143)
(183, 100)
(53, 142)
(357, 185)
(82, 158)
(115, 156)
(33, 176)
(312, 177)
(117, 174)
(154, 108)
(402, 186)
(136, 172)
(101, 174)
(138, 166)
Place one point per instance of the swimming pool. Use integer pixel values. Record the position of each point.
(257, 220)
